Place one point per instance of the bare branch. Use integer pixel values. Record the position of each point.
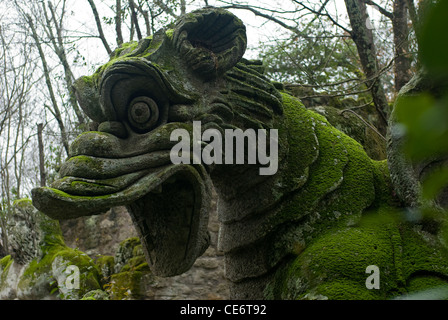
(56, 112)
(326, 14)
(165, 8)
(99, 27)
(266, 16)
(362, 119)
(380, 9)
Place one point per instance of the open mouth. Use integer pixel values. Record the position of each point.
(168, 203)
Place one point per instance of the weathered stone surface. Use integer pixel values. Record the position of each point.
(37, 268)
(127, 276)
(352, 125)
(98, 235)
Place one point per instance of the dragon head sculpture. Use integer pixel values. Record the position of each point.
(147, 90)
(270, 224)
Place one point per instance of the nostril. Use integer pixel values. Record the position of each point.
(115, 128)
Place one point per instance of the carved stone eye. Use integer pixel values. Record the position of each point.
(143, 113)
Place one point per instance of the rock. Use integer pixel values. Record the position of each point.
(352, 125)
(37, 269)
(96, 295)
(99, 235)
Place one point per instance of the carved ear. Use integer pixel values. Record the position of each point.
(211, 41)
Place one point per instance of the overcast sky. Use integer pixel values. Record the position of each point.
(258, 29)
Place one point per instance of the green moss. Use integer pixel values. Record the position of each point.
(425, 282)
(22, 203)
(136, 264)
(136, 260)
(5, 264)
(63, 194)
(344, 289)
(130, 253)
(96, 295)
(341, 219)
(328, 167)
(41, 270)
(373, 144)
(87, 162)
(106, 266)
(130, 242)
(422, 256)
(104, 260)
(303, 144)
(127, 285)
(170, 33)
(91, 136)
(126, 47)
(87, 80)
(334, 265)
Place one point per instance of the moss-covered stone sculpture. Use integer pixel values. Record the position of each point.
(308, 231)
(132, 277)
(37, 268)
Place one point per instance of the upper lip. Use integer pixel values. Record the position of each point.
(105, 168)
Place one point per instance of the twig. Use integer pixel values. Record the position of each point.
(362, 119)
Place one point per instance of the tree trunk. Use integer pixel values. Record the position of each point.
(363, 38)
(134, 19)
(145, 15)
(401, 42)
(118, 20)
(183, 7)
(4, 247)
(43, 182)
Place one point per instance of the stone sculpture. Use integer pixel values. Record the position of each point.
(309, 231)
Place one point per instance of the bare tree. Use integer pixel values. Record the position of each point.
(54, 109)
(57, 41)
(40, 128)
(16, 81)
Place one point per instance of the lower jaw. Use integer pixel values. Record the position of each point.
(173, 224)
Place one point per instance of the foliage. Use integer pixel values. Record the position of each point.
(425, 117)
(317, 60)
